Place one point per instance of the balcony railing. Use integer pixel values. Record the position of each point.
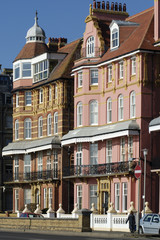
(32, 176)
(83, 53)
(99, 169)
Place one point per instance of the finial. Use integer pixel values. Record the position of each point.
(36, 18)
(90, 9)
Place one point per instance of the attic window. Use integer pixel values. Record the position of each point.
(90, 47)
(114, 38)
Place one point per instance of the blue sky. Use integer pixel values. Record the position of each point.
(58, 18)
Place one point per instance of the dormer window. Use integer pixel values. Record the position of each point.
(90, 47)
(115, 39)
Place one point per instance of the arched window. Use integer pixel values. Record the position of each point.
(40, 126)
(109, 110)
(94, 112)
(16, 129)
(90, 47)
(114, 40)
(27, 128)
(49, 124)
(79, 114)
(132, 105)
(120, 107)
(55, 122)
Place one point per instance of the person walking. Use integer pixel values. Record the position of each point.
(131, 219)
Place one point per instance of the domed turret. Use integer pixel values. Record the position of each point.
(35, 33)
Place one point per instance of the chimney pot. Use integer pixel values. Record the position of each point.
(124, 7)
(120, 7)
(94, 4)
(116, 6)
(112, 6)
(103, 5)
(107, 5)
(98, 5)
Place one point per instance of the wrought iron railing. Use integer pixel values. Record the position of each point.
(32, 176)
(100, 169)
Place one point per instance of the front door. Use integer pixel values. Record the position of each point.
(105, 196)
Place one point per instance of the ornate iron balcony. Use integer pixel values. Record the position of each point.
(99, 169)
(32, 176)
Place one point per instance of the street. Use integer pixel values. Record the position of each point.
(8, 235)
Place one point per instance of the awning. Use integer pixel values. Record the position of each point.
(96, 133)
(25, 147)
(154, 125)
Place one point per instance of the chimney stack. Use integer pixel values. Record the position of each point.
(156, 19)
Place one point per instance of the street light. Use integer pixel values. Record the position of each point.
(145, 152)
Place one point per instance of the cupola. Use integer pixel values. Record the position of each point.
(35, 33)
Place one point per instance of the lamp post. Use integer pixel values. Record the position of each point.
(145, 152)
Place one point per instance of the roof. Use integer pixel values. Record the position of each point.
(100, 133)
(25, 147)
(154, 125)
(140, 35)
(63, 70)
(31, 50)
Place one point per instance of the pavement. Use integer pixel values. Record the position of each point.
(93, 234)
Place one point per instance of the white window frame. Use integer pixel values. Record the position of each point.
(49, 124)
(120, 107)
(121, 69)
(27, 128)
(41, 70)
(79, 196)
(124, 196)
(16, 168)
(133, 66)
(40, 164)
(109, 110)
(27, 165)
(117, 196)
(26, 72)
(16, 197)
(45, 197)
(17, 99)
(109, 73)
(93, 153)
(109, 151)
(80, 79)
(16, 129)
(133, 104)
(130, 148)
(55, 91)
(79, 114)
(28, 98)
(93, 112)
(49, 93)
(90, 47)
(40, 95)
(50, 195)
(27, 196)
(93, 195)
(94, 77)
(17, 71)
(114, 38)
(56, 123)
(79, 155)
(122, 150)
(40, 127)
(55, 163)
